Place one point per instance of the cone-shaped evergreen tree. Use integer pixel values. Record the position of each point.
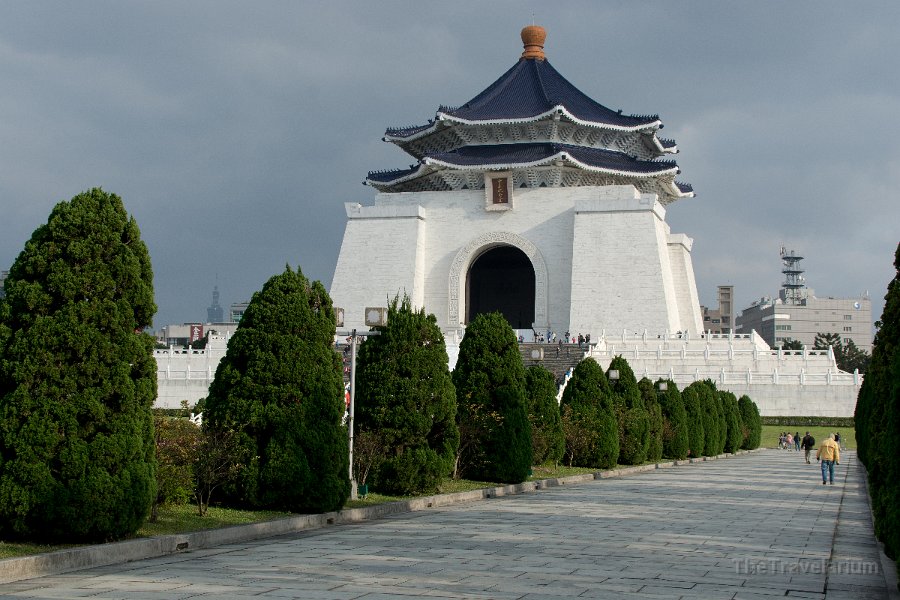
(707, 399)
(77, 378)
(279, 388)
(751, 423)
(696, 421)
(656, 421)
(495, 433)
(676, 426)
(734, 436)
(877, 420)
(589, 418)
(634, 423)
(548, 440)
(404, 394)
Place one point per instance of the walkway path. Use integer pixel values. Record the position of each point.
(755, 527)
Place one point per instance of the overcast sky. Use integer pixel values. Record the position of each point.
(236, 131)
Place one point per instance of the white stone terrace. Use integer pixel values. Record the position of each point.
(724, 358)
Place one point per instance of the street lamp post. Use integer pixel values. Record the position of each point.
(374, 316)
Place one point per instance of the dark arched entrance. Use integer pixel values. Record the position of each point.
(502, 279)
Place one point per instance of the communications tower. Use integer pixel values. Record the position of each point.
(794, 281)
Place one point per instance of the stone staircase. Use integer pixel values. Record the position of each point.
(545, 355)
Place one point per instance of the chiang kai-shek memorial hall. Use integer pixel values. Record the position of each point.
(535, 200)
(531, 199)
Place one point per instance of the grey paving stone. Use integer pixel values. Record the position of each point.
(754, 526)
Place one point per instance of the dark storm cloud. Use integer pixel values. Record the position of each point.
(235, 132)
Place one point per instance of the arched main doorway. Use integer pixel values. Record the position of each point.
(502, 279)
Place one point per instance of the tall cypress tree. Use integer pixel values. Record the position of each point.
(751, 423)
(734, 436)
(654, 414)
(279, 388)
(634, 423)
(589, 418)
(676, 426)
(492, 417)
(877, 419)
(405, 396)
(548, 440)
(696, 421)
(77, 378)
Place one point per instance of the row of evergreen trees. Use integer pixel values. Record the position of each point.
(877, 420)
(625, 421)
(78, 452)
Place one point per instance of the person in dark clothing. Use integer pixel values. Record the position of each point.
(808, 443)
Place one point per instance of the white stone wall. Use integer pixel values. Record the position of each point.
(183, 374)
(381, 256)
(781, 383)
(686, 297)
(426, 241)
(620, 264)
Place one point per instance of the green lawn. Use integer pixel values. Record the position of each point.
(770, 434)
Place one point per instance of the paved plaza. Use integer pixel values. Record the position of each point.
(756, 526)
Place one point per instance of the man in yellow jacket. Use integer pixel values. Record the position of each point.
(830, 454)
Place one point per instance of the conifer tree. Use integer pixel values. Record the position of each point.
(696, 421)
(77, 378)
(751, 423)
(734, 436)
(656, 421)
(589, 418)
(676, 426)
(710, 414)
(548, 440)
(405, 395)
(495, 434)
(279, 390)
(877, 420)
(634, 423)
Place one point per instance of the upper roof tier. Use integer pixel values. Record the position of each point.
(533, 103)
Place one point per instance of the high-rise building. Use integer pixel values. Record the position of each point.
(215, 313)
(721, 319)
(3, 276)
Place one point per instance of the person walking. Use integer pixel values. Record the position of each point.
(830, 454)
(808, 443)
(789, 441)
(837, 438)
(797, 441)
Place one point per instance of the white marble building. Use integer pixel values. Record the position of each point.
(531, 199)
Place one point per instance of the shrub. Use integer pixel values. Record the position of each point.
(405, 395)
(177, 444)
(589, 419)
(279, 388)
(495, 434)
(634, 422)
(77, 378)
(547, 440)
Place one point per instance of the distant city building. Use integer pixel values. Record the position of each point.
(720, 320)
(237, 311)
(798, 315)
(3, 275)
(181, 336)
(215, 313)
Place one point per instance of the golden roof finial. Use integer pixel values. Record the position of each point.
(533, 37)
